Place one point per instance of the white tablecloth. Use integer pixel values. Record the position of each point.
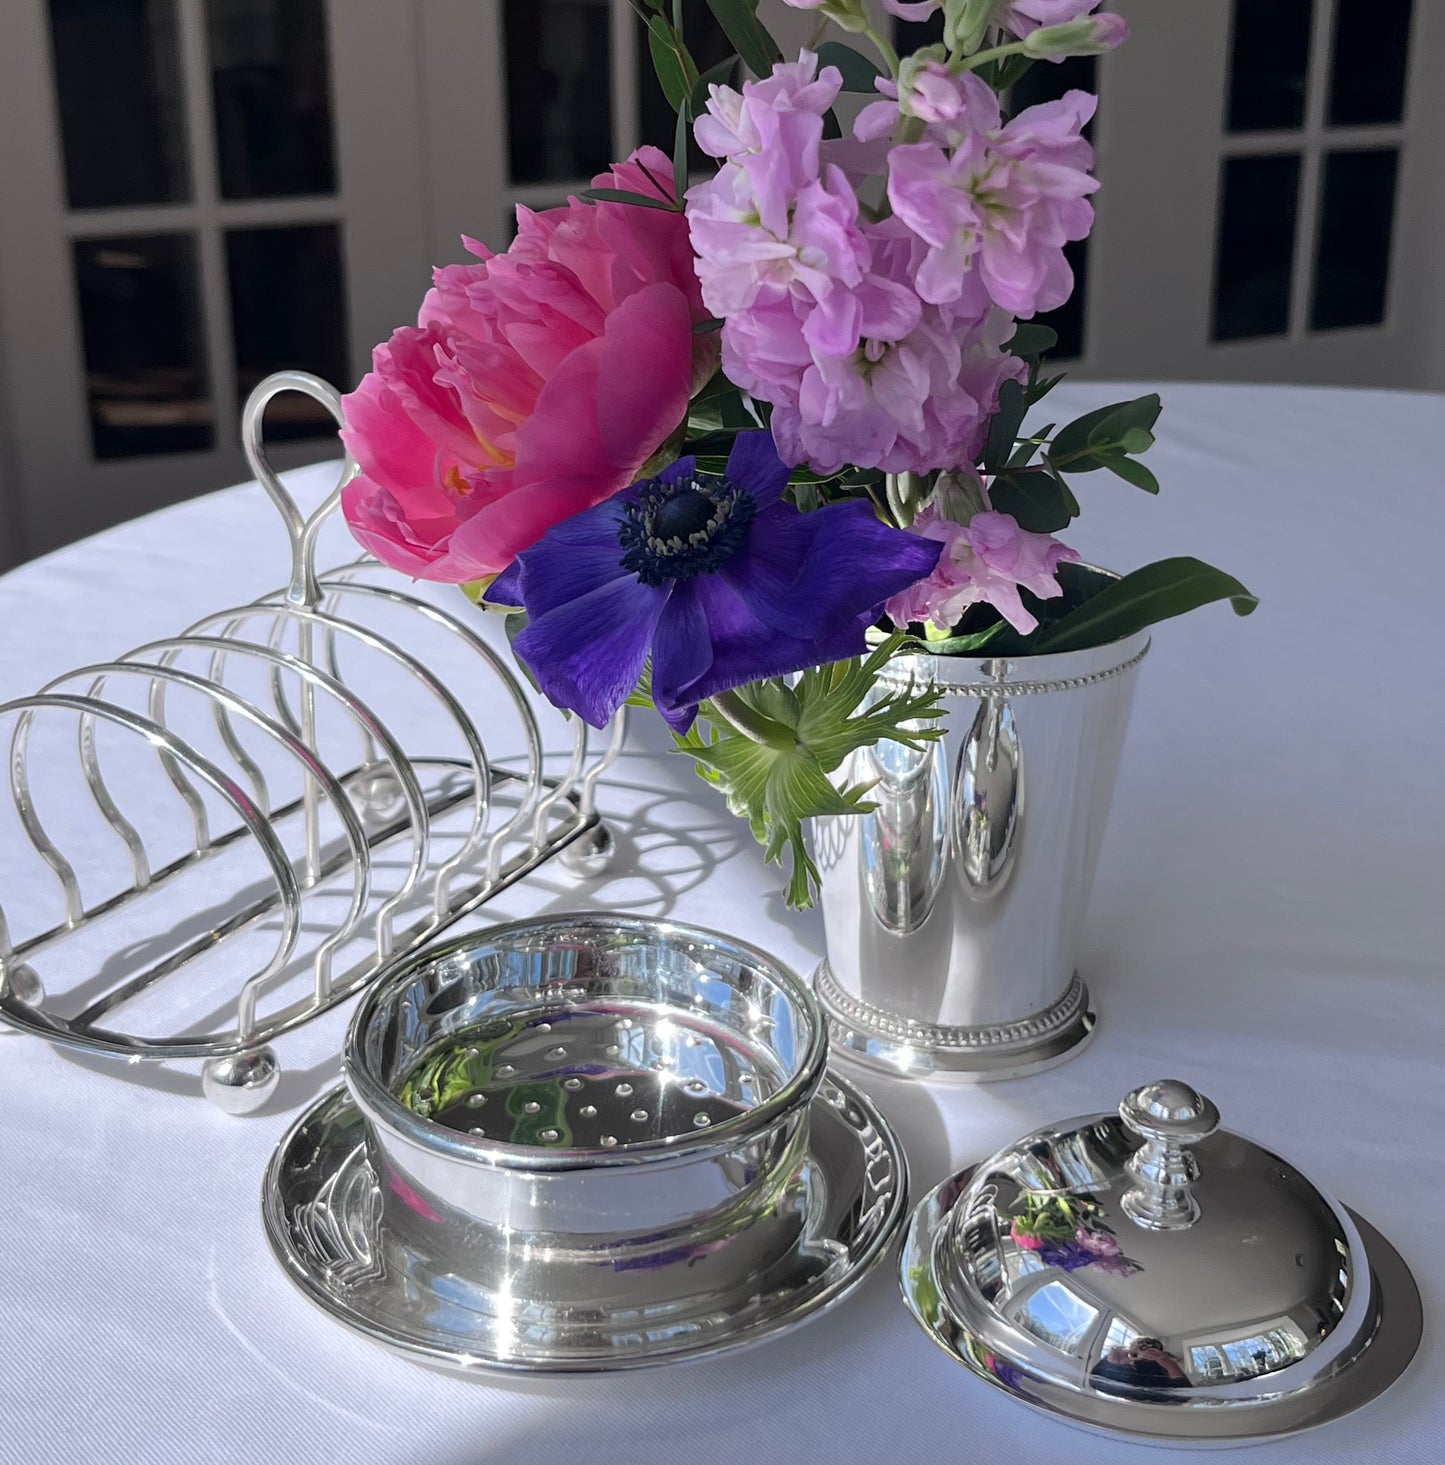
(1268, 923)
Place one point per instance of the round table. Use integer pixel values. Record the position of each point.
(1267, 923)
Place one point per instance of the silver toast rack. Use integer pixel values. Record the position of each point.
(246, 810)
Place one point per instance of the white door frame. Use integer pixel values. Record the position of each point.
(57, 490)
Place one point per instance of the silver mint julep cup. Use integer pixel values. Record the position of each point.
(953, 911)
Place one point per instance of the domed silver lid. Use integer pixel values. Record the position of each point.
(1151, 1272)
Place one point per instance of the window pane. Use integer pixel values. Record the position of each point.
(1268, 64)
(709, 45)
(913, 35)
(1367, 67)
(118, 81)
(140, 323)
(288, 310)
(1254, 252)
(1352, 265)
(559, 88)
(271, 87)
(1047, 82)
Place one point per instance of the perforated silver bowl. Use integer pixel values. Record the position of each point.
(583, 1109)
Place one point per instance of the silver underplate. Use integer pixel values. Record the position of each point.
(886, 1042)
(1182, 1421)
(322, 1214)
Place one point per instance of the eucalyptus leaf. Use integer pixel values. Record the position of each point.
(747, 34)
(1039, 500)
(1003, 427)
(625, 195)
(679, 155)
(858, 72)
(719, 75)
(1032, 339)
(1082, 445)
(1028, 446)
(1132, 472)
(1154, 593)
(667, 64)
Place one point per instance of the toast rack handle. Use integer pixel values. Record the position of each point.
(301, 531)
(1167, 1115)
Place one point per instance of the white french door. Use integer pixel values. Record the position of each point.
(1272, 194)
(195, 193)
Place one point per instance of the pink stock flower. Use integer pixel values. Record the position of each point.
(912, 9)
(1003, 203)
(985, 560)
(1023, 17)
(535, 384)
(821, 315)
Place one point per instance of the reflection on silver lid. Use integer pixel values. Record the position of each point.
(1151, 1272)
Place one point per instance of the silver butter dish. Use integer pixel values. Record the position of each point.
(580, 1143)
(1149, 1273)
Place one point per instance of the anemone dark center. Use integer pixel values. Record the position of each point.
(683, 514)
(673, 531)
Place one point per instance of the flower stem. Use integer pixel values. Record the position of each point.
(728, 707)
(884, 49)
(994, 53)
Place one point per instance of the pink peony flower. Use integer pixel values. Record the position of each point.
(1023, 1238)
(535, 384)
(986, 560)
(1003, 203)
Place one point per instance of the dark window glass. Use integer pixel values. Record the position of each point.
(1254, 250)
(913, 35)
(559, 88)
(288, 310)
(657, 121)
(1357, 215)
(1047, 82)
(1368, 62)
(1268, 64)
(272, 91)
(118, 81)
(140, 323)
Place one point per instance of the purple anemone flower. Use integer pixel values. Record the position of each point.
(720, 580)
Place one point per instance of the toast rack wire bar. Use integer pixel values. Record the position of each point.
(505, 821)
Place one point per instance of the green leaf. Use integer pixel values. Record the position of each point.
(747, 35)
(624, 195)
(1132, 472)
(1149, 595)
(1083, 444)
(859, 73)
(1028, 446)
(1030, 339)
(1003, 427)
(832, 128)
(1040, 386)
(1038, 499)
(955, 645)
(719, 75)
(679, 156)
(775, 773)
(667, 63)
(514, 624)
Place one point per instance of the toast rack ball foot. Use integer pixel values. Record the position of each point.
(591, 854)
(241, 1083)
(25, 986)
(379, 799)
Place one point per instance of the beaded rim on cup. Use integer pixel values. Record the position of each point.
(383, 1107)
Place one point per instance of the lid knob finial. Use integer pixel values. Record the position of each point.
(1167, 1115)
